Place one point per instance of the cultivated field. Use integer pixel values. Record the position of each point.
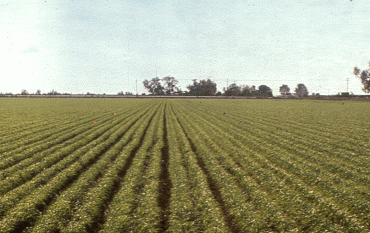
(156, 165)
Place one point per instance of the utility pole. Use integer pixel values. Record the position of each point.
(347, 83)
(227, 84)
(136, 86)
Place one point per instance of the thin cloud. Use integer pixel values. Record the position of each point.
(30, 49)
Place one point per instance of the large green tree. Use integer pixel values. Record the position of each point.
(164, 86)
(154, 86)
(265, 90)
(170, 85)
(301, 90)
(246, 90)
(284, 89)
(232, 90)
(365, 78)
(202, 88)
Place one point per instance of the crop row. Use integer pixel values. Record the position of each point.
(29, 201)
(167, 165)
(79, 206)
(325, 168)
(193, 204)
(38, 137)
(34, 161)
(274, 156)
(134, 206)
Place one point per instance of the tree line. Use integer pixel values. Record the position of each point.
(206, 87)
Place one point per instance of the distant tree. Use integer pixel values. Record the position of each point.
(202, 88)
(265, 90)
(284, 89)
(365, 78)
(154, 86)
(24, 92)
(232, 90)
(38, 92)
(246, 91)
(254, 91)
(301, 90)
(170, 85)
(53, 92)
(120, 93)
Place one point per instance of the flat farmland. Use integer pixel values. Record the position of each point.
(184, 165)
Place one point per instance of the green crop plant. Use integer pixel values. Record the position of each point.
(184, 165)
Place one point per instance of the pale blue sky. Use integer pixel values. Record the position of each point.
(104, 46)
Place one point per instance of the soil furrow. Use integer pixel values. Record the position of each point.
(165, 181)
(96, 227)
(212, 184)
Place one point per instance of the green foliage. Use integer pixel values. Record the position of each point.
(284, 90)
(202, 88)
(301, 90)
(155, 86)
(265, 90)
(83, 165)
(365, 78)
(232, 90)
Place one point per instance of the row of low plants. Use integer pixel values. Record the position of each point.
(48, 145)
(147, 213)
(192, 205)
(346, 146)
(29, 137)
(78, 207)
(123, 211)
(296, 115)
(25, 124)
(335, 178)
(241, 210)
(11, 140)
(289, 141)
(72, 153)
(13, 119)
(46, 139)
(29, 200)
(259, 215)
(24, 119)
(263, 148)
(248, 112)
(28, 168)
(233, 165)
